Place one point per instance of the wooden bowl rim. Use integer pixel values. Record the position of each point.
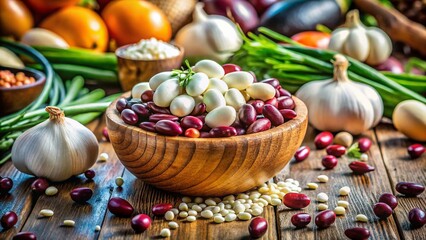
(120, 49)
(301, 110)
(39, 77)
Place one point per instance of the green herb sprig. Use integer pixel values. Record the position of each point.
(354, 151)
(183, 75)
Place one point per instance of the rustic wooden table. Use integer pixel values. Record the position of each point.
(388, 154)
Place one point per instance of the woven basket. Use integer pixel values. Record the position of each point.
(179, 12)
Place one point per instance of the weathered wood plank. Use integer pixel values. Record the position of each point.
(143, 197)
(401, 168)
(364, 193)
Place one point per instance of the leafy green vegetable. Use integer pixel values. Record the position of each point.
(353, 151)
(184, 76)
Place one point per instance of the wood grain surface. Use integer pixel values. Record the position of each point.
(388, 154)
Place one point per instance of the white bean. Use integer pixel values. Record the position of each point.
(198, 84)
(50, 191)
(218, 219)
(322, 207)
(234, 98)
(344, 204)
(158, 79)
(169, 215)
(361, 218)
(207, 214)
(244, 216)
(46, 213)
(213, 99)
(69, 223)
(182, 105)
(192, 213)
(322, 178)
(173, 225)
(262, 91)
(312, 186)
(322, 197)
(239, 80)
(221, 116)
(230, 217)
(165, 232)
(166, 92)
(191, 218)
(339, 210)
(139, 88)
(217, 84)
(209, 67)
(344, 191)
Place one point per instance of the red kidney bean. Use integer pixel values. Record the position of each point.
(288, 114)
(161, 116)
(141, 110)
(325, 218)
(156, 109)
(277, 93)
(25, 236)
(358, 167)
(389, 199)
(121, 104)
(205, 135)
(410, 189)
(191, 122)
(258, 227)
(284, 93)
(302, 153)
(296, 200)
(258, 105)
(148, 126)
(5, 184)
(147, 96)
(273, 101)
(382, 210)
(218, 132)
(417, 217)
(247, 114)
(300, 219)
(129, 117)
(323, 139)
(161, 208)
(329, 161)
(336, 150)
(8, 220)
(81, 195)
(89, 174)
(131, 102)
(357, 233)
(415, 150)
(169, 128)
(199, 109)
(286, 103)
(272, 113)
(364, 144)
(39, 185)
(120, 207)
(259, 125)
(240, 131)
(273, 82)
(230, 67)
(202, 118)
(141, 222)
(105, 133)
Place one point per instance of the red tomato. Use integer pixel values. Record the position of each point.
(312, 39)
(192, 133)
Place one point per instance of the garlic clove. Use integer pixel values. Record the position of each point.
(357, 45)
(380, 46)
(338, 39)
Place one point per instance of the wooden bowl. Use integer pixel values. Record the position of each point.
(206, 166)
(15, 98)
(133, 71)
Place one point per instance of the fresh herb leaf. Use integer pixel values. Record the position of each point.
(353, 151)
(183, 75)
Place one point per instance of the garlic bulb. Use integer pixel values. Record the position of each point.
(56, 149)
(366, 44)
(339, 104)
(214, 37)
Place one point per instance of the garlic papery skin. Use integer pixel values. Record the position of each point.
(56, 149)
(366, 44)
(209, 36)
(339, 104)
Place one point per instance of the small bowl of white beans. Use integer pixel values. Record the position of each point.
(140, 61)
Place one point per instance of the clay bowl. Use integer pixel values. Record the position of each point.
(15, 98)
(206, 166)
(133, 71)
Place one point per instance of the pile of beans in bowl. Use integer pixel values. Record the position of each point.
(207, 100)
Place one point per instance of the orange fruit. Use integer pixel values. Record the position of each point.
(129, 21)
(79, 27)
